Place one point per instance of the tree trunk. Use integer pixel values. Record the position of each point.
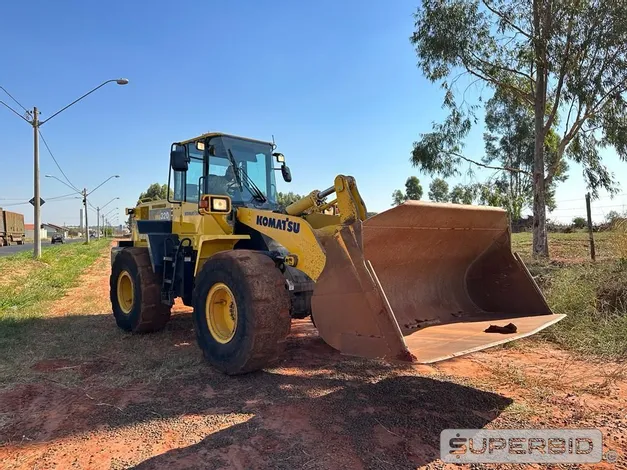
(540, 242)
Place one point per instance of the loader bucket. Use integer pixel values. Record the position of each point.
(422, 282)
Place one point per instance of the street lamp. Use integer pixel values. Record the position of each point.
(114, 209)
(105, 215)
(98, 209)
(33, 120)
(84, 193)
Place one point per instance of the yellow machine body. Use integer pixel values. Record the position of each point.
(418, 282)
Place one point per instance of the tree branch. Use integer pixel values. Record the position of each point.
(501, 15)
(615, 89)
(560, 82)
(500, 168)
(507, 69)
(484, 76)
(569, 134)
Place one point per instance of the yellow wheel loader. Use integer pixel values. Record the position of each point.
(421, 282)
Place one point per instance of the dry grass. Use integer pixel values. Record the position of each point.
(619, 240)
(569, 247)
(593, 295)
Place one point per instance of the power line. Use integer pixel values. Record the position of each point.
(60, 197)
(57, 163)
(18, 103)
(597, 199)
(583, 208)
(15, 204)
(68, 197)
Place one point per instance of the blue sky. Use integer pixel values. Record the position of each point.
(336, 83)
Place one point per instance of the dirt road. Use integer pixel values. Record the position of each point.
(90, 396)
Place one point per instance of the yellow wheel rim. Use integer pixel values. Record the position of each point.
(125, 292)
(221, 313)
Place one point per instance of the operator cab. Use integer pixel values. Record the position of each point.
(221, 164)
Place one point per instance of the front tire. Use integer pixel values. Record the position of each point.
(241, 311)
(135, 293)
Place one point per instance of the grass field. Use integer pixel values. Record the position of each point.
(569, 247)
(592, 295)
(28, 287)
(26, 282)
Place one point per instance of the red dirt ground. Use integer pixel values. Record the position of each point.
(315, 410)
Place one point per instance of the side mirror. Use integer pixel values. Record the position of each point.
(287, 174)
(178, 158)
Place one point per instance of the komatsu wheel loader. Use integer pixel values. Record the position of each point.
(421, 282)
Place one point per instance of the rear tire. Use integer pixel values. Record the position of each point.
(260, 317)
(135, 292)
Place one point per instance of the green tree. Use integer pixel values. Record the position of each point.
(154, 192)
(612, 216)
(579, 222)
(413, 189)
(461, 194)
(510, 143)
(285, 199)
(438, 190)
(559, 57)
(413, 192)
(398, 197)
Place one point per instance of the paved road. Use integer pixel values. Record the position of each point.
(9, 250)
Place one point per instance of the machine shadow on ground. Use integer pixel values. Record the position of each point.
(394, 423)
(375, 412)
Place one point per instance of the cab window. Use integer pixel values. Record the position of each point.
(186, 183)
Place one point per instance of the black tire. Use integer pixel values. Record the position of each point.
(147, 313)
(263, 311)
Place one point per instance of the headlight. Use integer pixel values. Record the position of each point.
(220, 204)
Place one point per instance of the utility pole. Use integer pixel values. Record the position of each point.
(36, 198)
(98, 222)
(34, 121)
(104, 226)
(86, 223)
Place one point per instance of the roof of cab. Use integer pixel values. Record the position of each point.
(214, 134)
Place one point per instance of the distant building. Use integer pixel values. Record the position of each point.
(51, 228)
(29, 229)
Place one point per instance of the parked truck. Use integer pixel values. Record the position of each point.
(11, 228)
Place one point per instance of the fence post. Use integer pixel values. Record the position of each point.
(592, 250)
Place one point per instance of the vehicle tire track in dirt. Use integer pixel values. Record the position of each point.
(150, 401)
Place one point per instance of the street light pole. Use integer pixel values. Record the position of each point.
(36, 198)
(86, 216)
(36, 123)
(98, 209)
(84, 195)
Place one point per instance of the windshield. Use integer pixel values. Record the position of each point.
(254, 162)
